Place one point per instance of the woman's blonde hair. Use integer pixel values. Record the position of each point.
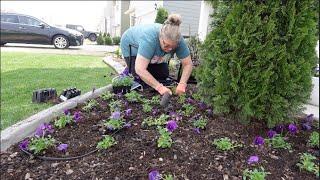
(171, 28)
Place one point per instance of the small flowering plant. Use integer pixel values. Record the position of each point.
(200, 123)
(188, 109)
(225, 144)
(278, 142)
(259, 140)
(107, 142)
(256, 174)
(306, 163)
(115, 105)
(182, 99)
(171, 125)
(154, 175)
(133, 96)
(107, 96)
(149, 121)
(63, 121)
(62, 147)
(77, 116)
(164, 140)
(90, 105)
(146, 106)
(155, 100)
(253, 159)
(314, 139)
(115, 121)
(38, 145)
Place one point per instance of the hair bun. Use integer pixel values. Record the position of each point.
(174, 19)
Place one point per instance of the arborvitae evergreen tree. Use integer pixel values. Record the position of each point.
(162, 15)
(257, 61)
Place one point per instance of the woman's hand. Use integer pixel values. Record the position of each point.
(181, 88)
(162, 89)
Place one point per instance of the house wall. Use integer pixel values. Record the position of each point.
(190, 13)
(125, 20)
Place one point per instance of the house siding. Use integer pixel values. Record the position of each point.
(190, 13)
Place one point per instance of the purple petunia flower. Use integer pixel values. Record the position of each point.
(24, 144)
(202, 105)
(43, 130)
(154, 175)
(128, 112)
(115, 115)
(175, 116)
(155, 111)
(196, 130)
(62, 147)
(66, 112)
(171, 125)
(306, 126)
(77, 116)
(127, 125)
(190, 101)
(309, 118)
(292, 128)
(125, 72)
(271, 133)
(253, 159)
(279, 129)
(209, 112)
(259, 140)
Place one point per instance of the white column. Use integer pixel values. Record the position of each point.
(204, 20)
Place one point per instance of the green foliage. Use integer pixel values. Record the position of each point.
(182, 99)
(108, 40)
(146, 108)
(118, 53)
(107, 142)
(164, 140)
(150, 121)
(194, 45)
(38, 145)
(107, 96)
(306, 163)
(200, 123)
(116, 40)
(278, 142)
(122, 81)
(91, 104)
(225, 144)
(314, 139)
(133, 96)
(155, 100)
(187, 109)
(168, 177)
(63, 121)
(114, 124)
(257, 60)
(162, 15)
(255, 174)
(100, 39)
(115, 105)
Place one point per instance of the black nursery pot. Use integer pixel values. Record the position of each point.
(121, 89)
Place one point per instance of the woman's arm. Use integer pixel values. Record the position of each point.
(186, 69)
(141, 65)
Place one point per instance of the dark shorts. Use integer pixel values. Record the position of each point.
(158, 71)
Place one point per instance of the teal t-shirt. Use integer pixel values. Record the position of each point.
(145, 42)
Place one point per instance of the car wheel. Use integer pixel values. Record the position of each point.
(92, 37)
(60, 42)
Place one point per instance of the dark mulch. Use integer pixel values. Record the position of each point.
(192, 155)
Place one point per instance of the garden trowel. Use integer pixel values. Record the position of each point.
(165, 100)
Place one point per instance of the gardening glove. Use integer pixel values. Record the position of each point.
(181, 88)
(162, 89)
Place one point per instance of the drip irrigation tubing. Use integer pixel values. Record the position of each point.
(45, 158)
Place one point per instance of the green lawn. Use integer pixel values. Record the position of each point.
(22, 73)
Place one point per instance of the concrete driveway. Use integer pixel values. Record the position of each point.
(86, 49)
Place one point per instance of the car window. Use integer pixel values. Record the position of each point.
(9, 18)
(29, 21)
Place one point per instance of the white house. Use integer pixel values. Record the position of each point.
(195, 14)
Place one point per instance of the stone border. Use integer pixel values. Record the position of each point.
(114, 64)
(26, 128)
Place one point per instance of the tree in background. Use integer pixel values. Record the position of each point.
(162, 15)
(257, 61)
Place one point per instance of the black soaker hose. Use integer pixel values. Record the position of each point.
(65, 158)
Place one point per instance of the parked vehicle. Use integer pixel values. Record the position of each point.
(20, 28)
(92, 36)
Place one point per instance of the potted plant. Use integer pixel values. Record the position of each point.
(122, 84)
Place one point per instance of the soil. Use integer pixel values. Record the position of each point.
(192, 156)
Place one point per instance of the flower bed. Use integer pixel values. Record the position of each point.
(131, 137)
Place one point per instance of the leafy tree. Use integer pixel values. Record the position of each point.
(257, 60)
(162, 15)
